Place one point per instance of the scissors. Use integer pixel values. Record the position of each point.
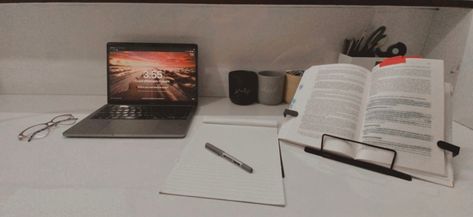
(368, 50)
(398, 49)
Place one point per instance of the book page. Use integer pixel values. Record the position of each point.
(405, 112)
(329, 100)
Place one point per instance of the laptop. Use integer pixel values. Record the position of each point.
(151, 92)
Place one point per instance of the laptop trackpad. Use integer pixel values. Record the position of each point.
(86, 128)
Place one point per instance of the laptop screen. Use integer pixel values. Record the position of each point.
(152, 73)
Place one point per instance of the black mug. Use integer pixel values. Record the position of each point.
(243, 87)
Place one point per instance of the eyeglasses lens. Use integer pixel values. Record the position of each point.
(41, 131)
(64, 120)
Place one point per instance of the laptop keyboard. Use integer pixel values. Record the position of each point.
(143, 112)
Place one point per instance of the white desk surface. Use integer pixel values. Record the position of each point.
(56, 176)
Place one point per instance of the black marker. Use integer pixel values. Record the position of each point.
(230, 158)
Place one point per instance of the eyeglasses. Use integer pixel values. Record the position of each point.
(42, 130)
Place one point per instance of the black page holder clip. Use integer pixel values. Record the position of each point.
(290, 113)
(449, 147)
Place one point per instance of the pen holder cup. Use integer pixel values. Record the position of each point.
(366, 62)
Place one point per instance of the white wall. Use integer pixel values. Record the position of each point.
(59, 48)
(451, 39)
(463, 96)
(447, 39)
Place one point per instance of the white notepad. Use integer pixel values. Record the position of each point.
(201, 173)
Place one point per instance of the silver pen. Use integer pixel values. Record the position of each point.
(230, 158)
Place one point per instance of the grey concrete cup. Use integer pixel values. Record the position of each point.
(270, 87)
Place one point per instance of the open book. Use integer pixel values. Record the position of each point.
(400, 107)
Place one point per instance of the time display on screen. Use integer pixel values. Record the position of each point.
(154, 74)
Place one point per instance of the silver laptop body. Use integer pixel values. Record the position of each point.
(151, 92)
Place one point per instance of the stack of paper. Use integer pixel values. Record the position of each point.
(201, 173)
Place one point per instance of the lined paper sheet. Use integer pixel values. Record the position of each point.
(201, 173)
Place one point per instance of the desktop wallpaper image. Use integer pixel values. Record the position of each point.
(152, 75)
